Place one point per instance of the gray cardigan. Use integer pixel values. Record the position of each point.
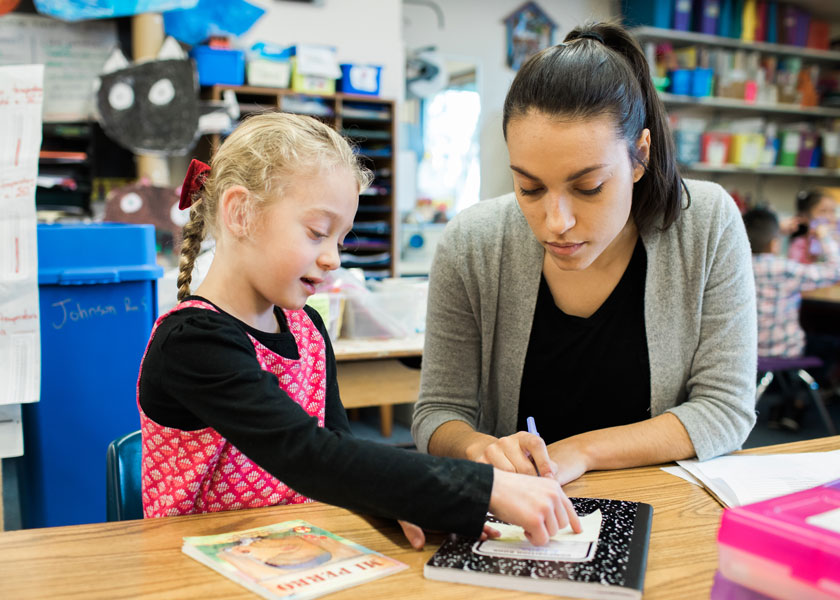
(700, 321)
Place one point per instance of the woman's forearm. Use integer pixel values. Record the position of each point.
(652, 441)
(458, 440)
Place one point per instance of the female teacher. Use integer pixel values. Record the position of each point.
(607, 297)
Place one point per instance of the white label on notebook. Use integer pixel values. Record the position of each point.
(828, 520)
(564, 545)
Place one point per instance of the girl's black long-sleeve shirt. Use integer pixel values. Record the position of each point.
(201, 370)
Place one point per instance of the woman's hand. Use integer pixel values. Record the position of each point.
(570, 461)
(521, 452)
(537, 504)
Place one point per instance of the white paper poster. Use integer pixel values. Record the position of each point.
(73, 55)
(21, 99)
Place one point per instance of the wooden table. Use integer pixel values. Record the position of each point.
(370, 374)
(820, 310)
(142, 559)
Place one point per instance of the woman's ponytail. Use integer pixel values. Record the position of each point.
(600, 69)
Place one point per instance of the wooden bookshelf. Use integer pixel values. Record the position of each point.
(369, 122)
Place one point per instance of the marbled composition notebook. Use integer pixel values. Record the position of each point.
(606, 560)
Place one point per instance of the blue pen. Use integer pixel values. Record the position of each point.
(532, 429)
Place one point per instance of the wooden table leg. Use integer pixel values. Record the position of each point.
(386, 419)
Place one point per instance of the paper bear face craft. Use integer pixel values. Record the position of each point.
(150, 107)
(144, 203)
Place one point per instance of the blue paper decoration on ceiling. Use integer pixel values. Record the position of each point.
(210, 18)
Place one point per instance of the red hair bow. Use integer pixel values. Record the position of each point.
(193, 182)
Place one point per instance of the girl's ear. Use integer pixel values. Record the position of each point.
(233, 208)
(642, 154)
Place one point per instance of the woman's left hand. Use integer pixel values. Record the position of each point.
(571, 461)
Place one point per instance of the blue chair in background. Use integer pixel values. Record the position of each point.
(122, 479)
(789, 372)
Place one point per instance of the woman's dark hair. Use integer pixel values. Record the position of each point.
(601, 70)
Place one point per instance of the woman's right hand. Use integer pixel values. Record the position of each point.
(517, 453)
(537, 504)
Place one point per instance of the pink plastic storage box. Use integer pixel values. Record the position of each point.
(786, 547)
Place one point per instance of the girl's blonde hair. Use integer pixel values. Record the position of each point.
(262, 155)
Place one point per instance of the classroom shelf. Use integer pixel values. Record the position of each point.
(368, 121)
(691, 37)
(740, 105)
(772, 170)
(718, 111)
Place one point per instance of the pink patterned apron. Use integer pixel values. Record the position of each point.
(185, 472)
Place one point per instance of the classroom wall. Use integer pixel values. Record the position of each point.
(363, 31)
(476, 29)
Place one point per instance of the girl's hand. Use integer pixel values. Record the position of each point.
(521, 452)
(413, 534)
(537, 504)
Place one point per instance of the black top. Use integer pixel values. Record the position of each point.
(201, 370)
(582, 374)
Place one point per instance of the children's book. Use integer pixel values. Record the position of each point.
(293, 560)
(606, 560)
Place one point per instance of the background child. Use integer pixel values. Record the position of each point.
(779, 282)
(816, 213)
(238, 397)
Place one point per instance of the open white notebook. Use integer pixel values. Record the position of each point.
(743, 479)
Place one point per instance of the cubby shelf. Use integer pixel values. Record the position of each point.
(370, 124)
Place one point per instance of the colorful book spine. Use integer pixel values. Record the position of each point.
(707, 13)
(818, 35)
(748, 19)
(772, 30)
(737, 18)
(682, 15)
(787, 32)
(760, 21)
(655, 13)
(725, 18)
(803, 22)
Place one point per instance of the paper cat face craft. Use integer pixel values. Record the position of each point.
(144, 203)
(150, 107)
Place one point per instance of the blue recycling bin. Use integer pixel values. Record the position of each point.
(98, 304)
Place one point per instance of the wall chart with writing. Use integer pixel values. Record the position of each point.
(72, 55)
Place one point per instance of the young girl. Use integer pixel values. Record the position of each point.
(238, 397)
(817, 216)
(607, 298)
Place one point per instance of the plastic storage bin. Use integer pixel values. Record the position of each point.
(310, 84)
(98, 304)
(360, 79)
(269, 73)
(680, 82)
(219, 65)
(701, 82)
(786, 547)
